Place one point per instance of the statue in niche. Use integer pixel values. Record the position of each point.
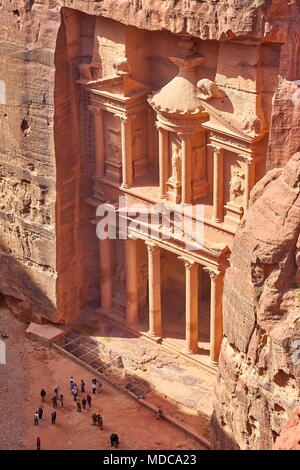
(114, 144)
(236, 185)
(137, 144)
(199, 163)
(119, 275)
(176, 165)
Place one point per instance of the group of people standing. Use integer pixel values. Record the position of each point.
(58, 398)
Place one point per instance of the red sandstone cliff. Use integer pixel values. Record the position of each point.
(259, 365)
(289, 438)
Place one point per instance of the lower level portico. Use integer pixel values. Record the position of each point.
(172, 297)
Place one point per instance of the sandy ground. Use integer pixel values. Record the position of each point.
(30, 367)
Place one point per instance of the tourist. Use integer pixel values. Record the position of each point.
(84, 403)
(40, 412)
(100, 421)
(114, 440)
(79, 406)
(38, 443)
(53, 417)
(75, 394)
(94, 387)
(36, 418)
(43, 395)
(82, 384)
(71, 381)
(89, 400)
(56, 391)
(99, 385)
(159, 413)
(54, 401)
(61, 399)
(94, 418)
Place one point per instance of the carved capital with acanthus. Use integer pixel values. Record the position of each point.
(214, 274)
(216, 149)
(246, 159)
(95, 110)
(152, 247)
(189, 263)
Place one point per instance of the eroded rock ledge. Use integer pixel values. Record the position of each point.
(259, 366)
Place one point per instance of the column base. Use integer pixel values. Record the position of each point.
(154, 336)
(190, 352)
(125, 186)
(214, 363)
(216, 220)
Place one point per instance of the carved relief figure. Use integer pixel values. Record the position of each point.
(176, 165)
(236, 185)
(208, 90)
(199, 163)
(114, 144)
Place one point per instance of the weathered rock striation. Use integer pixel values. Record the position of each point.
(259, 365)
(289, 438)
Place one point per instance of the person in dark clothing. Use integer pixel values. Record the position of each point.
(79, 406)
(84, 403)
(38, 443)
(53, 417)
(100, 421)
(89, 400)
(40, 412)
(82, 384)
(94, 418)
(114, 440)
(61, 399)
(75, 394)
(43, 395)
(54, 401)
(159, 413)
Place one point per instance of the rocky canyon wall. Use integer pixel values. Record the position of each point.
(259, 365)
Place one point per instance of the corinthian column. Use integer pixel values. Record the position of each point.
(217, 215)
(126, 139)
(131, 281)
(186, 175)
(191, 306)
(154, 289)
(99, 139)
(249, 177)
(216, 320)
(163, 160)
(105, 274)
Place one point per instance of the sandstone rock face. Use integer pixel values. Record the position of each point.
(259, 366)
(48, 259)
(289, 438)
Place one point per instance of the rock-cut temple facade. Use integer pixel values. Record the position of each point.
(175, 124)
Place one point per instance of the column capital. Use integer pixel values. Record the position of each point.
(213, 273)
(125, 119)
(246, 159)
(152, 247)
(188, 263)
(95, 109)
(216, 149)
(185, 135)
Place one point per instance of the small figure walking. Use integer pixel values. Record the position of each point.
(38, 443)
(99, 385)
(100, 421)
(75, 394)
(94, 386)
(84, 403)
(89, 400)
(82, 384)
(53, 417)
(61, 399)
(94, 418)
(54, 401)
(40, 412)
(159, 413)
(71, 380)
(36, 418)
(79, 406)
(56, 391)
(114, 440)
(43, 395)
